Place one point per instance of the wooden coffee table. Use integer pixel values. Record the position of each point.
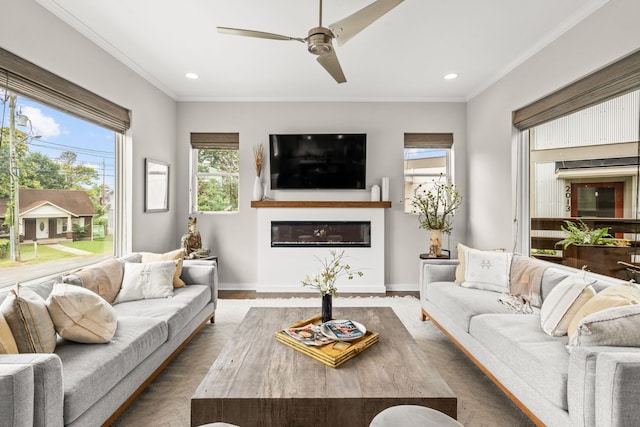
(257, 381)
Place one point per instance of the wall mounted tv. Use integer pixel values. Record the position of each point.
(318, 161)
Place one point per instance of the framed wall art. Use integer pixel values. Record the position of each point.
(156, 186)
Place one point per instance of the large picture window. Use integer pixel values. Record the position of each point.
(582, 172)
(61, 169)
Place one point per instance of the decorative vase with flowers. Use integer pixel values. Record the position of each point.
(332, 269)
(258, 191)
(435, 203)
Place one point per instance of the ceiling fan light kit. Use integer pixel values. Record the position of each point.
(319, 39)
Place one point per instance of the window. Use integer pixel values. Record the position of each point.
(215, 172)
(427, 159)
(582, 169)
(59, 173)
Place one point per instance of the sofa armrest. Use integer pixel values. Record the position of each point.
(436, 270)
(45, 394)
(202, 272)
(602, 386)
(617, 385)
(16, 395)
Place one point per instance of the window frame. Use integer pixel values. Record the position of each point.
(211, 141)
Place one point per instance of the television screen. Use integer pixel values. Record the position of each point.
(318, 161)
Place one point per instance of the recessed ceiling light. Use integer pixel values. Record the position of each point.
(191, 76)
(451, 76)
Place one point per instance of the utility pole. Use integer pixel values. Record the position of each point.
(14, 197)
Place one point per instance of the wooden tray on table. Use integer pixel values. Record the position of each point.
(332, 354)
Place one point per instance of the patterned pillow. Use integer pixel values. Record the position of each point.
(562, 304)
(147, 280)
(29, 321)
(81, 315)
(177, 254)
(488, 270)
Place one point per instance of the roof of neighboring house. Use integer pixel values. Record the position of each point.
(77, 202)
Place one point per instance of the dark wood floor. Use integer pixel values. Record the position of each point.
(241, 294)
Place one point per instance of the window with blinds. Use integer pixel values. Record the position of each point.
(60, 173)
(215, 166)
(582, 171)
(427, 159)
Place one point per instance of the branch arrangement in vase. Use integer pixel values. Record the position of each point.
(435, 203)
(258, 157)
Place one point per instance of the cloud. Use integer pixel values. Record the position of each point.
(42, 125)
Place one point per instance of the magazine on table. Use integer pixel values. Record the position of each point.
(309, 335)
(344, 329)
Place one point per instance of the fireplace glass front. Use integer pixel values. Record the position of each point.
(321, 233)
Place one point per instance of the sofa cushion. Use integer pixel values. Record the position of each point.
(614, 296)
(81, 315)
(104, 278)
(90, 371)
(488, 270)
(462, 304)
(7, 342)
(616, 326)
(29, 321)
(177, 255)
(562, 304)
(176, 311)
(518, 341)
(146, 281)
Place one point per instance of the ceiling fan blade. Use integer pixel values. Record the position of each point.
(350, 26)
(332, 65)
(258, 34)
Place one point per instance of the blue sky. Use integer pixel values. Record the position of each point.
(59, 132)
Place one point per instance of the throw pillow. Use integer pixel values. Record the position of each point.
(462, 265)
(615, 326)
(614, 296)
(488, 270)
(178, 254)
(562, 304)
(29, 321)
(7, 342)
(81, 315)
(103, 278)
(147, 280)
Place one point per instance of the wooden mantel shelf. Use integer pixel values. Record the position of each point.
(317, 204)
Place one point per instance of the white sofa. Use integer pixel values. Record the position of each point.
(91, 384)
(589, 386)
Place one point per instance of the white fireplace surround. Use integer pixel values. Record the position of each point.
(282, 269)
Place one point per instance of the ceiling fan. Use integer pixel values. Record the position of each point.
(319, 39)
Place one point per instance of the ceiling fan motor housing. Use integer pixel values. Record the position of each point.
(319, 41)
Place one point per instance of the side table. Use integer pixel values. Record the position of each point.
(446, 254)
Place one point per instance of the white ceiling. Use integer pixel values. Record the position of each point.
(401, 57)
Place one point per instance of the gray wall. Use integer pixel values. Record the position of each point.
(608, 34)
(233, 236)
(30, 31)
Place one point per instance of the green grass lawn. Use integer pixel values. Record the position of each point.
(47, 254)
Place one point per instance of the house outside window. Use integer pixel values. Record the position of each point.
(215, 172)
(427, 159)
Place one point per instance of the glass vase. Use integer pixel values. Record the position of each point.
(327, 306)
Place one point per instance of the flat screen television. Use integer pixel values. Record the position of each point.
(318, 161)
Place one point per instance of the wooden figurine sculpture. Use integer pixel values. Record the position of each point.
(191, 242)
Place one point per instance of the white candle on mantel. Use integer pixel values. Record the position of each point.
(375, 193)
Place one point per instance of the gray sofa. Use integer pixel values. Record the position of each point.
(589, 386)
(91, 384)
